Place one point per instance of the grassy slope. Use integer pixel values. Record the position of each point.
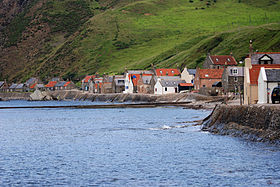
(135, 34)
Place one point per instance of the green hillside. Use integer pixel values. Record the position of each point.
(89, 36)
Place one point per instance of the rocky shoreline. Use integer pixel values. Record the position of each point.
(254, 122)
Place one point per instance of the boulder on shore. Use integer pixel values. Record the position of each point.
(40, 96)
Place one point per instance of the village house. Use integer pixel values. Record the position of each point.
(12, 88)
(167, 85)
(118, 85)
(251, 75)
(233, 79)
(107, 84)
(4, 86)
(31, 83)
(64, 85)
(219, 61)
(50, 85)
(206, 78)
(87, 83)
(132, 84)
(268, 79)
(265, 58)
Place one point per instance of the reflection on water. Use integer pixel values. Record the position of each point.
(125, 147)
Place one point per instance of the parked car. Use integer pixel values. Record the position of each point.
(275, 96)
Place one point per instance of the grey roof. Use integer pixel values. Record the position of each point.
(272, 75)
(40, 86)
(240, 71)
(275, 56)
(140, 71)
(171, 83)
(31, 81)
(192, 71)
(20, 86)
(1, 83)
(13, 86)
(147, 79)
(60, 83)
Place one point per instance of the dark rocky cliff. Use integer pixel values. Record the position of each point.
(257, 123)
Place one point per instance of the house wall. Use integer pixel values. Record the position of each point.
(208, 82)
(186, 76)
(169, 90)
(128, 85)
(158, 89)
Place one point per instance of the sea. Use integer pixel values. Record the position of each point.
(125, 147)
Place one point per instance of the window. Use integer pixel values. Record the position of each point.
(160, 72)
(228, 60)
(166, 89)
(203, 86)
(217, 59)
(235, 71)
(235, 79)
(172, 71)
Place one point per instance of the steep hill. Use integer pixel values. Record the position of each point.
(71, 38)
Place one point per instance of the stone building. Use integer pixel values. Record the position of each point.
(233, 79)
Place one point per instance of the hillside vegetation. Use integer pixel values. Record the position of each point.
(72, 38)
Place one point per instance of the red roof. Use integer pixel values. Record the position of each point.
(136, 78)
(211, 73)
(88, 77)
(167, 72)
(67, 83)
(267, 52)
(223, 60)
(255, 70)
(51, 84)
(33, 85)
(185, 84)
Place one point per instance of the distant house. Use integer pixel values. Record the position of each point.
(20, 88)
(50, 85)
(132, 83)
(31, 83)
(233, 79)
(4, 86)
(219, 61)
(207, 78)
(188, 75)
(167, 85)
(64, 85)
(265, 58)
(118, 85)
(251, 75)
(107, 84)
(12, 88)
(267, 80)
(87, 83)
(40, 87)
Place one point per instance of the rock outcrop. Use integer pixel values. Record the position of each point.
(256, 122)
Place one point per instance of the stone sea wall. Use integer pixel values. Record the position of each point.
(116, 97)
(256, 122)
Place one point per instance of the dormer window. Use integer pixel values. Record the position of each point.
(217, 59)
(265, 59)
(206, 75)
(172, 71)
(228, 60)
(160, 72)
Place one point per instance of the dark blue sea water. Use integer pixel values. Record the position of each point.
(125, 147)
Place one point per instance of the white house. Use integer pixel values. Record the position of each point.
(268, 79)
(166, 86)
(188, 75)
(128, 85)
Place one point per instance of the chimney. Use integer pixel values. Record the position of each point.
(251, 49)
(231, 54)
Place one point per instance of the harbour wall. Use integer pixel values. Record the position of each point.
(115, 97)
(253, 122)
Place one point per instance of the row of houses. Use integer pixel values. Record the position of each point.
(33, 84)
(220, 72)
